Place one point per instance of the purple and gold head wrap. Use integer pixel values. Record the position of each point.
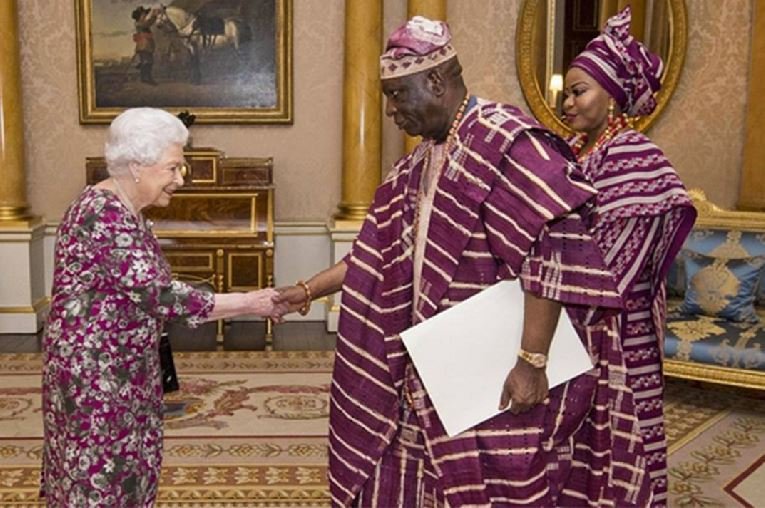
(417, 45)
(623, 66)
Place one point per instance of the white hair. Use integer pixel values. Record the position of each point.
(141, 136)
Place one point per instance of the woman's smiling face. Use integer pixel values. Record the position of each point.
(585, 103)
(159, 181)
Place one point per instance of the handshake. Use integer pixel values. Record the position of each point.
(276, 303)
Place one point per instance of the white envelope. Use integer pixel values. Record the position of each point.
(464, 354)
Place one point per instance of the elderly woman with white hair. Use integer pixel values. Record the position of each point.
(112, 292)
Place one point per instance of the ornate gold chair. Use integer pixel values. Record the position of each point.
(716, 293)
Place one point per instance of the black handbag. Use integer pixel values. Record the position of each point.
(169, 376)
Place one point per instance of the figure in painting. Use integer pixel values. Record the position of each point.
(144, 41)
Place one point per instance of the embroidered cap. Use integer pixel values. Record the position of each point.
(418, 45)
(623, 66)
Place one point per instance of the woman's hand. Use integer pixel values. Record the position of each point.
(525, 387)
(261, 303)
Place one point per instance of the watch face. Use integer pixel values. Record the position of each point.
(537, 360)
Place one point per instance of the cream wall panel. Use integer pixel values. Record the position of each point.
(302, 249)
(49, 246)
(22, 287)
(21, 283)
(15, 289)
(702, 130)
(484, 35)
(36, 260)
(393, 138)
(27, 322)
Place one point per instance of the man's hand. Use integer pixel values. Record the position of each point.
(289, 298)
(525, 386)
(322, 284)
(261, 303)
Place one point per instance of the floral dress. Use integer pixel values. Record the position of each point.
(102, 391)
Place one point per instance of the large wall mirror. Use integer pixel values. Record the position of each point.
(551, 32)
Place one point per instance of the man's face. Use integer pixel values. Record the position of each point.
(412, 105)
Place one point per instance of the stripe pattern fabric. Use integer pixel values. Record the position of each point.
(644, 215)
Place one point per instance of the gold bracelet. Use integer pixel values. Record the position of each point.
(307, 305)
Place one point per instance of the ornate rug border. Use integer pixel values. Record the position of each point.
(192, 361)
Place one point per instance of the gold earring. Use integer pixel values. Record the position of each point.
(611, 108)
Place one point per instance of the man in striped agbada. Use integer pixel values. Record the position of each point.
(489, 194)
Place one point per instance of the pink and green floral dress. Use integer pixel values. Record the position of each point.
(102, 392)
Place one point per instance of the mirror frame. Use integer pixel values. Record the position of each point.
(524, 35)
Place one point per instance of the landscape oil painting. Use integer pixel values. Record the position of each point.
(226, 61)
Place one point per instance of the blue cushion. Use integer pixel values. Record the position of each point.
(711, 341)
(721, 287)
(724, 243)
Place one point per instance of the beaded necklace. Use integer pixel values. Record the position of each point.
(439, 165)
(615, 125)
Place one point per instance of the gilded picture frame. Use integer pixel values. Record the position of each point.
(225, 61)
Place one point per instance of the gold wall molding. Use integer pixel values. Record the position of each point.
(752, 189)
(36, 307)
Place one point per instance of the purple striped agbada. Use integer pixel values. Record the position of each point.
(643, 215)
(494, 217)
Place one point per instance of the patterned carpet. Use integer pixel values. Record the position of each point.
(246, 429)
(249, 429)
(716, 446)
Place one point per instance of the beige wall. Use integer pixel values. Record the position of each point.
(701, 130)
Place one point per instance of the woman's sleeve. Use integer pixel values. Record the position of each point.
(133, 266)
(644, 213)
(633, 245)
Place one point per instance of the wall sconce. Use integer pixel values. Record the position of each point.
(555, 87)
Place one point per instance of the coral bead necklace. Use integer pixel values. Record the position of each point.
(616, 123)
(438, 163)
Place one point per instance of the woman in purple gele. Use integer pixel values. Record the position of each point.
(642, 216)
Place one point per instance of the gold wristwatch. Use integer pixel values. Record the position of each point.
(537, 360)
